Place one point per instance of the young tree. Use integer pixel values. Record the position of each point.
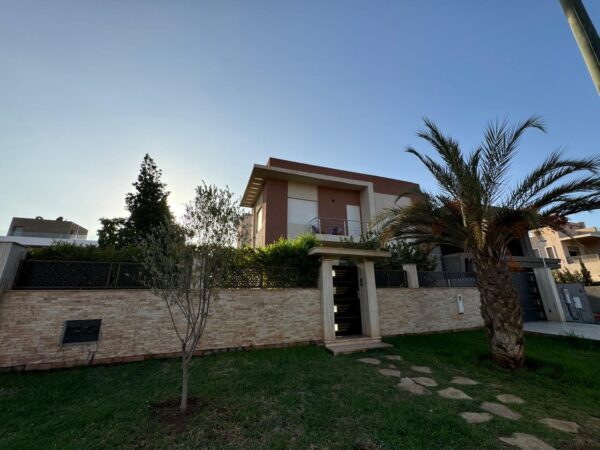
(147, 206)
(185, 265)
(477, 210)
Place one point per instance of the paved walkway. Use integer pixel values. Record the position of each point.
(584, 330)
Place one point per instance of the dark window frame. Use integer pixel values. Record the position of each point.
(72, 331)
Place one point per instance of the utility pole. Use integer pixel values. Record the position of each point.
(585, 35)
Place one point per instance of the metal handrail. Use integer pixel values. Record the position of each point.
(316, 225)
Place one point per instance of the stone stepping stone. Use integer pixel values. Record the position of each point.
(406, 384)
(421, 369)
(425, 381)
(562, 425)
(526, 442)
(390, 372)
(509, 398)
(372, 361)
(393, 357)
(392, 366)
(500, 410)
(476, 417)
(454, 394)
(463, 381)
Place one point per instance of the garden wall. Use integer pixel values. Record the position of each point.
(593, 293)
(427, 310)
(136, 324)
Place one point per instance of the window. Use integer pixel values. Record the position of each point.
(550, 252)
(259, 218)
(574, 251)
(78, 331)
(299, 214)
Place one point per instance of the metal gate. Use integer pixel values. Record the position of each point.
(575, 303)
(529, 296)
(346, 301)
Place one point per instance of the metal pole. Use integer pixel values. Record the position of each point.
(586, 37)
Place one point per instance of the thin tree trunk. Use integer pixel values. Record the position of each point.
(501, 312)
(184, 384)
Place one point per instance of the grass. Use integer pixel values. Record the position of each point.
(305, 398)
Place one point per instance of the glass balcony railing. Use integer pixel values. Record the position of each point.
(338, 227)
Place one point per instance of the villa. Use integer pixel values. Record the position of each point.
(289, 198)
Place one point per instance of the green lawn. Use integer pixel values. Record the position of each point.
(305, 398)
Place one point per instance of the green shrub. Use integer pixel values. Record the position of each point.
(292, 253)
(65, 251)
(402, 252)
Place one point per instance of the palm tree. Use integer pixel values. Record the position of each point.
(478, 211)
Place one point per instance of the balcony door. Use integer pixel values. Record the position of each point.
(353, 218)
(300, 213)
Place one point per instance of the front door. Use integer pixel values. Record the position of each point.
(532, 307)
(346, 301)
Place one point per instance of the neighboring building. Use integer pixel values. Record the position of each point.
(289, 198)
(576, 242)
(40, 232)
(245, 231)
(40, 227)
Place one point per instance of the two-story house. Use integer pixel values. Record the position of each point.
(288, 198)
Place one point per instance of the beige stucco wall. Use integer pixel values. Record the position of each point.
(586, 246)
(136, 324)
(425, 310)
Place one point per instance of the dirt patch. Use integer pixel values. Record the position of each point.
(167, 412)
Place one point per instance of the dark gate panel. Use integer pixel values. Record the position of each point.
(529, 296)
(346, 301)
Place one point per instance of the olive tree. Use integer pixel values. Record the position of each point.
(186, 264)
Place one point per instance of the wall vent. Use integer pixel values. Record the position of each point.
(79, 331)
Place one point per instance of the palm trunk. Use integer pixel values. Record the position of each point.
(501, 312)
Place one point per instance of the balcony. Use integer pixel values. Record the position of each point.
(337, 229)
(585, 258)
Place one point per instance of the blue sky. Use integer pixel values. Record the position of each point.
(209, 88)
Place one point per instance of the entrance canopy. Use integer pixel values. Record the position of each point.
(354, 253)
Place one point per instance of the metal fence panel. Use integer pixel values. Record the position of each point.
(390, 278)
(63, 275)
(38, 274)
(447, 279)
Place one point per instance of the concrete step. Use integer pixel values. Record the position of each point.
(355, 345)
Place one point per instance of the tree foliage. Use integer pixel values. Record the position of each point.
(480, 210)
(401, 251)
(582, 276)
(66, 251)
(147, 206)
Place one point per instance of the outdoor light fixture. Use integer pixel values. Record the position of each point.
(334, 308)
(333, 273)
(336, 327)
(461, 304)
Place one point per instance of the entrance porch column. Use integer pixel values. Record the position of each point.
(326, 287)
(549, 294)
(369, 309)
